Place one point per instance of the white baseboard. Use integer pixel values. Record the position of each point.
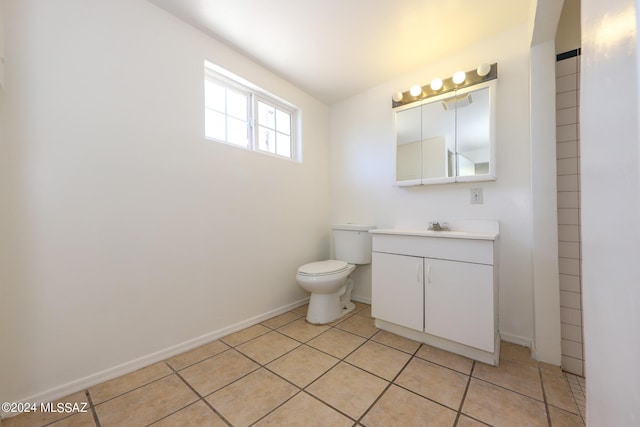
(517, 339)
(141, 362)
(364, 300)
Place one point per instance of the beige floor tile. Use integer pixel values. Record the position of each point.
(117, 386)
(583, 409)
(379, 359)
(267, 347)
(465, 421)
(558, 393)
(364, 312)
(302, 310)
(499, 407)
(281, 320)
(218, 371)
(435, 382)
(359, 325)
(337, 343)
(252, 397)
(573, 381)
(39, 418)
(245, 335)
(549, 369)
(196, 414)
(302, 330)
(146, 404)
(560, 418)
(348, 389)
(196, 355)
(307, 411)
(516, 353)
(516, 377)
(396, 341)
(399, 407)
(302, 365)
(83, 419)
(445, 358)
(341, 319)
(360, 306)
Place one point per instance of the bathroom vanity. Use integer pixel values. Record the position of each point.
(438, 287)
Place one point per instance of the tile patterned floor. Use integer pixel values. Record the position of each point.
(287, 372)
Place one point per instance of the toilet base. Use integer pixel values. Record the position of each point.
(327, 308)
(348, 308)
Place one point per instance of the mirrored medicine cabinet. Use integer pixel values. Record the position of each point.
(447, 138)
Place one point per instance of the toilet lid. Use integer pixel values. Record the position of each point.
(323, 267)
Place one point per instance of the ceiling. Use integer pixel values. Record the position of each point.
(333, 49)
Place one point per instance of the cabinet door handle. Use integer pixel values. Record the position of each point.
(428, 273)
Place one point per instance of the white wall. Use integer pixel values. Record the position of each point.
(568, 36)
(362, 170)
(125, 233)
(544, 206)
(546, 299)
(610, 169)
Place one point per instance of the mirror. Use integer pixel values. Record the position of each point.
(447, 138)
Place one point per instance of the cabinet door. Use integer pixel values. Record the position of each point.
(459, 302)
(397, 289)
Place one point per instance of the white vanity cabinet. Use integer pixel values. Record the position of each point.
(397, 289)
(458, 302)
(439, 288)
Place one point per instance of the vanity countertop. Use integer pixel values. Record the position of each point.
(441, 234)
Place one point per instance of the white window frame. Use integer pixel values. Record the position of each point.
(254, 93)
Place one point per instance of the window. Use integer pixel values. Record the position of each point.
(239, 113)
(226, 114)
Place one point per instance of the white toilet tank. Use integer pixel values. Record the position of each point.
(352, 243)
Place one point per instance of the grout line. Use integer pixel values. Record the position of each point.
(93, 408)
(277, 407)
(330, 406)
(249, 340)
(304, 389)
(239, 378)
(390, 383)
(199, 360)
(205, 401)
(137, 387)
(464, 395)
(575, 379)
(509, 389)
(544, 396)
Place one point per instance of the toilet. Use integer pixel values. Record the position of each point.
(328, 281)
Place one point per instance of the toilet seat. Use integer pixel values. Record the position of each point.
(323, 268)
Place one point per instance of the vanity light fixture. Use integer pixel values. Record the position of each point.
(415, 90)
(483, 70)
(459, 80)
(459, 77)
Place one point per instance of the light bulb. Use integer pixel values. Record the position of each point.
(397, 97)
(436, 84)
(483, 70)
(459, 77)
(415, 90)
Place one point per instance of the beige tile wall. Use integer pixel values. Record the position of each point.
(569, 250)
